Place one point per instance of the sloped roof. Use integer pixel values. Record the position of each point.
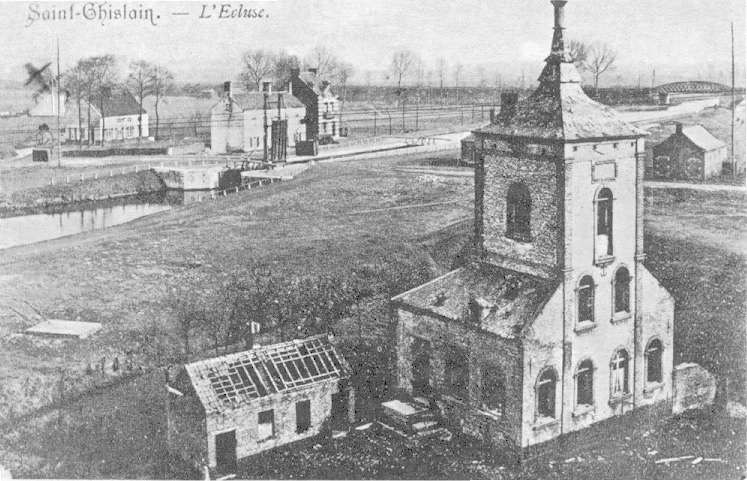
(693, 87)
(315, 82)
(234, 380)
(511, 300)
(703, 139)
(559, 109)
(118, 103)
(256, 101)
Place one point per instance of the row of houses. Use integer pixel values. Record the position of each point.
(236, 120)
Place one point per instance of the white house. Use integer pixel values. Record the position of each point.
(120, 120)
(237, 120)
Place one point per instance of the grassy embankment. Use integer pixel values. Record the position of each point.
(39, 199)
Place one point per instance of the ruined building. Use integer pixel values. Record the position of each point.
(556, 323)
(223, 409)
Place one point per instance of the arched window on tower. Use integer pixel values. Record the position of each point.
(622, 291)
(586, 300)
(518, 213)
(603, 240)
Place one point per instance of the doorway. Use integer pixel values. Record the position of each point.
(421, 367)
(225, 452)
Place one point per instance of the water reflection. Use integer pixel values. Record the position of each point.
(27, 229)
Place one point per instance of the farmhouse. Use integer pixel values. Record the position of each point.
(555, 323)
(691, 153)
(114, 117)
(237, 121)
(223, 409)
(322, 106)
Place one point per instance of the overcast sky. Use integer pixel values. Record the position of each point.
(678, 37)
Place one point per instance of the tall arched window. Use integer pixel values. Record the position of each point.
(546, 393)
(622, 290)
(518, 213)
(585, 383)
(619, 374)
(653, 361)
(586, 299)
(603, 242)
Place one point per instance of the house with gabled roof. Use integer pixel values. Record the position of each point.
(322, 105)
(237, 120)
(690, 153)
(554, 323)
(224, 409)
(116, 116)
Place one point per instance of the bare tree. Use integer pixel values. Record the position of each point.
(323, 60)
(74, 81)
(281, 67)
(258, 65)
(601, 59)
(98, 74)
(160, 80)
(138, 82)
(441, 69)
(579, 53)
(343, 72)
(402, 62)
(458, 68)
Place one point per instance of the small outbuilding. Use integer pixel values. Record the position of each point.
(691, 153)
(223, 409)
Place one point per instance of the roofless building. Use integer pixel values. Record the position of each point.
(223, 409)
(556, 323)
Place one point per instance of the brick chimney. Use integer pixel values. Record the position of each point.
(227, 88)
(313, 70)
(508, 105)
(267, 87)
(678, 127)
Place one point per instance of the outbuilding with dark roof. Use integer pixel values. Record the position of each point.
(690, 153)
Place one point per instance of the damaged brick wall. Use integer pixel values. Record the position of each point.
(245, 420)
(534, 166)
(484, 352)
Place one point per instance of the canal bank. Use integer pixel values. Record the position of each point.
(40, 200)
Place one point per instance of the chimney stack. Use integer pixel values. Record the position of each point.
(558, 43)
(678, 127)
(313, 70)
(508, 105)
(227, 88)
(267, 87)
(492, 115)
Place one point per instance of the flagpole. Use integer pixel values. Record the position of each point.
(59, 78)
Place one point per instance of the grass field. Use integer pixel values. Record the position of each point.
(333, 219)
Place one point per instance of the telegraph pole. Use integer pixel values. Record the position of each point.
(57, 86)
(733, 107)
(265, 88)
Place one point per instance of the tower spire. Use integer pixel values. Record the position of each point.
(558, 49)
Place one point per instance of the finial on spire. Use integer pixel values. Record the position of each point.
(558, 43)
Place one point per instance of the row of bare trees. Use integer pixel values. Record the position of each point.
(93, 79)
(406, 65)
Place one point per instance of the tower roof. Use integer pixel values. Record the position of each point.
(559, 109)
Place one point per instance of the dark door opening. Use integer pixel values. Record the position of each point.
(340, 405)
(225, 452)
(303, 416)
(421, 367)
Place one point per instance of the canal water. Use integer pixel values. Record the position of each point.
(27, 229)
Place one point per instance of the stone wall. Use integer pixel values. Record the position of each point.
(534, 166)
(484, 351)
(245, 419)
(694, 388)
